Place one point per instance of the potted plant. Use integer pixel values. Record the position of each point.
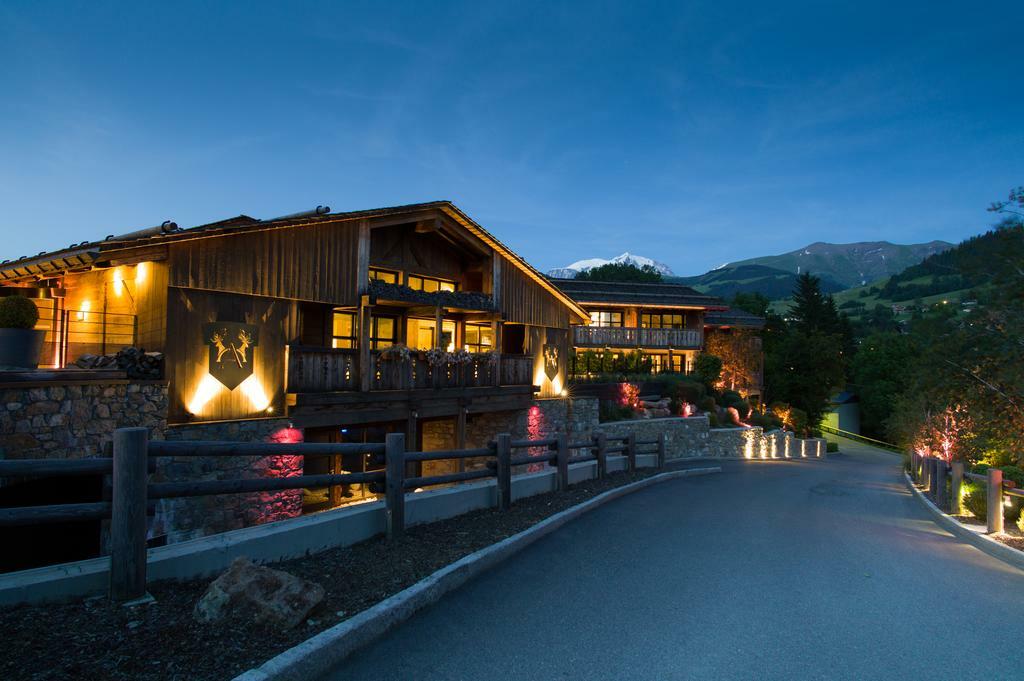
(20, 343)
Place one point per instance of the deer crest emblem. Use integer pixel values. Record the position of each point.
(231, 346)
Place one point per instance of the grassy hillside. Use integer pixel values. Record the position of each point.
(850, 264)
(727, 281)
(965, 273)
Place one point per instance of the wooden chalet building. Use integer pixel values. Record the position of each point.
(668, 323)
(349, 325)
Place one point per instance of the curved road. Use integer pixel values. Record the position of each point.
(770, 570)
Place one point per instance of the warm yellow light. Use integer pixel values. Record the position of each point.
(208, 387)
(141, 273)
(118, 282)
(252, 389)
(83, 311)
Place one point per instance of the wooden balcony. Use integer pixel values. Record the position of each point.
(633, 337)
(315, 370)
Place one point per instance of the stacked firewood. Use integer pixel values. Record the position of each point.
(136, 362)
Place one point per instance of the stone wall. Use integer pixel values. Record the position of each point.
(683, 437)
(75, 420)
(193, 517)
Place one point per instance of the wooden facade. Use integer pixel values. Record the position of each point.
(305, 288)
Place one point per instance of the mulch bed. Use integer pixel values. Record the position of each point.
(97, 640)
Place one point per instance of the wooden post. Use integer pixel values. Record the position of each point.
(601, 440)
(933, 477)
(913, 464)
(504, 454)
(925, 467)
(661, 450)
(496, 348)
(939, 483)
(562, 445)
(955, 504)
(394, 483)
(128, 515)
(631, 452)
(995, 500)
(366, 368)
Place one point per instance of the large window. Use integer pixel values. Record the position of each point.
(343, 330)
(421, 334)
(662, 321)
(385, 276)
(479, 338)
(429, 284)
(383, 332)
(605, 318)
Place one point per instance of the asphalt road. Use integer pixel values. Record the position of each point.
(773, 570)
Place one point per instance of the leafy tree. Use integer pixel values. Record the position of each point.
(754, 303)
(882, 370)
(615, 271)
(804, 369)
(740, 353)
(708, 369)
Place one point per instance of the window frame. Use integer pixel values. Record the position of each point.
(609, 323)
(376, 272)
(423, 279)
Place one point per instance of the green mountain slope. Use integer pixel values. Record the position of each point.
(850, 264)
(726, 282)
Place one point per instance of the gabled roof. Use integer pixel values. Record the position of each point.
(734, 317)
(83, 255)
(634, 293)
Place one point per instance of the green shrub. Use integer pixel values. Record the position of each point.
(707, 404)
(798, 417)
(974, 499)
(1014, 473)
(18, 312)
(831, 446)
(708, 368)
(1020, 521)
(712, 419)
(766, 421)
(730, 398)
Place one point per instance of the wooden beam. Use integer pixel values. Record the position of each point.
(365, 359)
(363, 258)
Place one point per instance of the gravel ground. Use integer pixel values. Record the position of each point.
(97, 640)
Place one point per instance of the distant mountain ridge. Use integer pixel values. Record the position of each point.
(570, 271)
(852, 264)
(728, 280)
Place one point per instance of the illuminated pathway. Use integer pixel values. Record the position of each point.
(824, 570)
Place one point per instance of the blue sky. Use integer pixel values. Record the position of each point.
(692, 132)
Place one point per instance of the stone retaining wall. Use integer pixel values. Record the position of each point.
(75, 420)
(193, 517)
(683, 437)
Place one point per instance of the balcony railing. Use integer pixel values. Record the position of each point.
(633, 337)
(314, 369)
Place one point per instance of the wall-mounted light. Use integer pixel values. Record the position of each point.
(83, 311)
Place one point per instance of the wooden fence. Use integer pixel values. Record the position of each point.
(132, 496)
(933, 473)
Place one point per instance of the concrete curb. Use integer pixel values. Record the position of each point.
(1007, 554)
(316, 656)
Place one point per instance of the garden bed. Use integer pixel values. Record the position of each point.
(95, 639)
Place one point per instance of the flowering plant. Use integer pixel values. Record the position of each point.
(437, 357)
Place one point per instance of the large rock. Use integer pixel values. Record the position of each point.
(266, 595)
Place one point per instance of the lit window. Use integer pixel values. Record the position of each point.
(605, 318)
(662, 321)
(429, 284)
(344, 330)
(479, 338)
(383, 275)
(383, 332)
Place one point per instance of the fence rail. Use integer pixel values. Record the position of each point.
(932, 473)
(860, 438)
(133, 496)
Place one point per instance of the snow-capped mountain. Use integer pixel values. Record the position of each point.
(570, 271)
